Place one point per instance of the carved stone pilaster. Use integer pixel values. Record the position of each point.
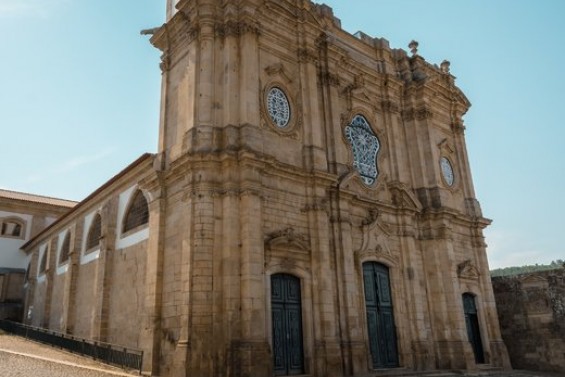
(328, 78)
(390, 106)
(307, 55)
(458, 127)
(420, 114)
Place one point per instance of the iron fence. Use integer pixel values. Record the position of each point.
(105, 352)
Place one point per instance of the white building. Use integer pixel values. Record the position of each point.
(22, 216)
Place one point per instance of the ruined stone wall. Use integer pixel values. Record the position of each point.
(531, 309)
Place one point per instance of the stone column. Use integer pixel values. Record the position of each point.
(151, 319)
(184, 285)
(254, 354)
(200, 343)
(351, 319)
(103, 274)
(417, 301)
(69, 298)
(49, 280)
(453, 350)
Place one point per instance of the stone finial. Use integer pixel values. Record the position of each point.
(444, 66)
(413, 46)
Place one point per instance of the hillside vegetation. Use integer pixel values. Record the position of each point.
(511, 271)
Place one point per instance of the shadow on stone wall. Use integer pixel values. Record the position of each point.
(531, 309)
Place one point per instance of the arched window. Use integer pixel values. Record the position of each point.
(94, 233)
(12, 228)
(43, 261)
(65, 248)
(137, 213)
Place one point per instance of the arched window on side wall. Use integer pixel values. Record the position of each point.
(43, 261)
(94, 234)
(137, 214)
(65, 248)
(12, 228)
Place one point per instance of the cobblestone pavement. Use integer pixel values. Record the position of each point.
(23, 358)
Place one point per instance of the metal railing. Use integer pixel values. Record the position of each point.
(123, 357)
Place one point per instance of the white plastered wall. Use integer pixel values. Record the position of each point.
(10, 254)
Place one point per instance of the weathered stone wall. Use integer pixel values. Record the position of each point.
(56, 313)
(85, 291)
(126, 303)
(531, 309)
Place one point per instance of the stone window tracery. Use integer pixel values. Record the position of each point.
(365, 146)
(278, 107)
(137, 214)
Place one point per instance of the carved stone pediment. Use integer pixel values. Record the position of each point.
(287, 237)
(401, 197)
(279, 70)
(467, 270)
(376, 241)
(446, 147)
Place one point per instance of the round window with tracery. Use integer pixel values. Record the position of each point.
(278, 107)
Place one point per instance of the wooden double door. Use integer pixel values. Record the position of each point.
(288, 354)
(380, 317)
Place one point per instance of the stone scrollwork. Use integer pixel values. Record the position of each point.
(278, 69)
(318, 204)
(376, 242)
(467, 270)
(287, 236)
(401, 197)
(307, 55)
(236, 28)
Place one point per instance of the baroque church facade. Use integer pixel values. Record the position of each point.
(310, 210)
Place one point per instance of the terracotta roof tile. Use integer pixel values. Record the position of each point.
(15, 195)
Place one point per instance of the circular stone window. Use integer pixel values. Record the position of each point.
(278, 107)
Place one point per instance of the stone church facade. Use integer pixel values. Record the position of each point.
(310, 210)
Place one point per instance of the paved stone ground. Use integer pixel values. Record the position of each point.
(23, 358)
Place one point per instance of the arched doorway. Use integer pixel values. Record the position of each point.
(473, 330)
(380, 317)
(288, 355)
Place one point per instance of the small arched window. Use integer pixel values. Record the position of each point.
(65, 248)
(94, 233)
(137, 214)
(12, 228)
(43, 261)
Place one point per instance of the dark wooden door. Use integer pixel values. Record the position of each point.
(380, 318)
(287, 325)
(473, 330)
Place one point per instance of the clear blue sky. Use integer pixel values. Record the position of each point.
(79, 98)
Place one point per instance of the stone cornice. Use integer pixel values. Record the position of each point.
(420, 114)
(236, 28)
